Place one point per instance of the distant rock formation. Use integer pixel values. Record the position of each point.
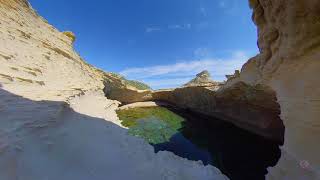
(201, 79)
(233, 76)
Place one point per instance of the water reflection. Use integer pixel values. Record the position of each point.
(237, 153)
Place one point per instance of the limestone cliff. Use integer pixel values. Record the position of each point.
(118, 89)
(36, 57)
(289, 43)
(253, 108)
(56, 122)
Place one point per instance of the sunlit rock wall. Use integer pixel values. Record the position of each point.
(289, 62)
(35, 57)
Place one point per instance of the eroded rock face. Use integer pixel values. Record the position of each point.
(117, 89)
(35, 57)
(289, 43)
(202, 79)
(254, 108)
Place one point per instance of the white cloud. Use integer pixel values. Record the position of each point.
(152, 29)
(171, 27)
(166, 82)
(222, 4)
(203, 11)
(201, 52)
(180, 26)
(230, 7)
(203, 25)
(180, 72)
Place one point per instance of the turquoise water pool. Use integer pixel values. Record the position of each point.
(237, 153)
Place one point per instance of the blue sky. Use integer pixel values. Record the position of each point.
(161, 42)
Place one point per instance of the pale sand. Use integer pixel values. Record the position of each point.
(143, 104)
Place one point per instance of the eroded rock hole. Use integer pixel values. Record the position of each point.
(238, 153)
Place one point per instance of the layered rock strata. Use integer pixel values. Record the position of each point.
(289, 43)
(56, 122)
(202, 79)
(254, 108)
(117, 89)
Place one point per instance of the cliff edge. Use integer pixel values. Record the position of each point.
(289, 43)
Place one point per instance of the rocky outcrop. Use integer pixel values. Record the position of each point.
(254, 108)
(289, 43)
(56, 122)
(251, 107)
(35, 57)
(117, 89)
(202, 79)
(233, 76)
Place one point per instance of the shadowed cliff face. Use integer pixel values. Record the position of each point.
(289, 43)
(254, 108)
(238, 153)
(251, 107)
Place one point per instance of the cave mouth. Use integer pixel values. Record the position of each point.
(239, 154)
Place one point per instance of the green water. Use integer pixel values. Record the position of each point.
(155, 124)
(237, 153)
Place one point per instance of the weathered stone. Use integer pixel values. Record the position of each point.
(70, 35)
(202, 79)
(117, 89)
(291, 32)
(254, 108)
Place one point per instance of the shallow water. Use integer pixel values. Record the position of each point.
(236, 152)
